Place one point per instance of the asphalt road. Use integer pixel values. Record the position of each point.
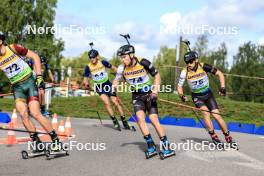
(122, 153)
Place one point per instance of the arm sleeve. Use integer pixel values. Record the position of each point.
(46, 66)
(149, 67)
(19, 49)
(182, 78)
(119, 73)
(106, 64)
(209, 68)
(86, 71)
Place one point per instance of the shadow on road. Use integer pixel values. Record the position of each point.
(141, 145)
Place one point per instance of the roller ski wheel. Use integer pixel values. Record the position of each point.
(231, 143)
(54, 152)
(166, 153)
(117, 126)
(132, 128)
(151, 152)
(26, 155)
(127, 126)
(234, 145)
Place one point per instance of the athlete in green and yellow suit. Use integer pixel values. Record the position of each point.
(202, 96)
(24, 86)
(135, 71)
(97, 70)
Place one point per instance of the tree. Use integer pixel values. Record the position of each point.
(166, 57)
(17, 16)
(248, 61)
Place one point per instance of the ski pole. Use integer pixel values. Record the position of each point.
(26, 131)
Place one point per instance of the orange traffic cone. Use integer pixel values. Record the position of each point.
(54, 122)
(68, 128)
(61, 130)
(11, 137)
(14, 118)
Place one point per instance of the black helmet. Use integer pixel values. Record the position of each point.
(190, 55)
(125, 49)
(43, 59)
(2, 36)
(93, 53)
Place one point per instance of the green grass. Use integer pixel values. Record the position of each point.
(86, 107)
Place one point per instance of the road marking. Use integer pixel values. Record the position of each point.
(232, 156)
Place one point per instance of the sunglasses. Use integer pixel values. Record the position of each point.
(190, 61)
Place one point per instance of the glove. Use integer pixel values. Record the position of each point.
(222, 91)
(183, 98)
(86, 86)
(153, 97)
(40, 82)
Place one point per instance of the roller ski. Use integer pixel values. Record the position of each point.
(231, 143)
(127, 126)
(56, 149)
(166, 151)
(116, 125)
(151, 150)
(37, 150)
(216, 141)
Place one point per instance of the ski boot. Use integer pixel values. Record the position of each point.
(216, 141)
(46, 113)
(116, 124)
(151, 150)
(56, 147)
(127, 126)
(165, 151)
(229, 140)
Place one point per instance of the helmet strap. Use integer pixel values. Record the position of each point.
(131, 56)
(196, 66)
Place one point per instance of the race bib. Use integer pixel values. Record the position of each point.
(17, 70)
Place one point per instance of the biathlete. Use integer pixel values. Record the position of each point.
(47, 76)
(202, 96)
(96, 68)
(25, 86)
(136, 72)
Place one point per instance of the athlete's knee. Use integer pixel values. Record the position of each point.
(106, 103)
(141, 121)
(206, 114)
(36, 114)
(217, 116)
(23, 114)
(115, 102)
(154, 120)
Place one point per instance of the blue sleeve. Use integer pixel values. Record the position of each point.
(46, 66)
(106, 64)
(30, 63)
(86, 71)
